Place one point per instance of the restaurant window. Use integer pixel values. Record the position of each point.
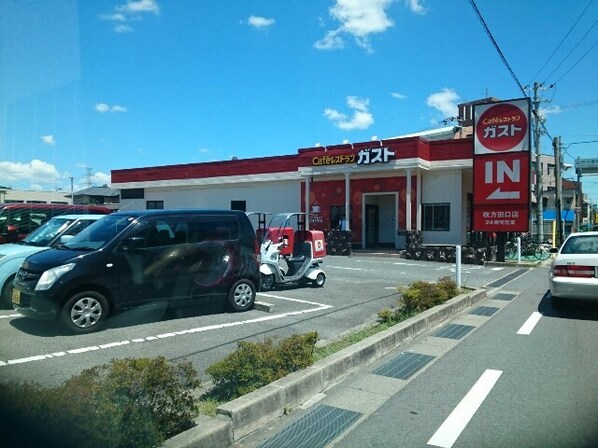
(132, 193)
(436, 217)
(337, 213)
(238, 205)
(154, 205)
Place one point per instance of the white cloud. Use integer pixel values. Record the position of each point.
(416, 6)
(123, 29)
(444, 101)
(48, 140)
(359, 19)
(140, 6)
(551, 110)
(100, 178)
(132, 10)
(260, 22)
(104, 108)
(361, 118)
(398, 96)
(35, 171)
(331, 41)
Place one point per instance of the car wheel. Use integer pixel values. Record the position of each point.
(84, 312)
(267, 282)
(320, 280)
(7, 292)
(241, 295)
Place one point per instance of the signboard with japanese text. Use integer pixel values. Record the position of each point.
(502, 127)
(501, 166)
(367, 156)
(374, 155)
(501, 218)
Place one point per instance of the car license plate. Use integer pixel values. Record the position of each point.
(16, 296)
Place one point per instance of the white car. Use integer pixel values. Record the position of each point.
(574, 269)
(50, 234)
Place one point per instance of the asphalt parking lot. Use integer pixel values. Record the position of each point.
(356, 289)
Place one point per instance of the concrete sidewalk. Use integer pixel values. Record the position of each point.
(240, 417)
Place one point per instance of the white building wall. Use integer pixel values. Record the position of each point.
(444, 187)
(273, 197)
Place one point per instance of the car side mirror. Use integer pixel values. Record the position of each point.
(133, 243)
(65, 238)
(554, 250)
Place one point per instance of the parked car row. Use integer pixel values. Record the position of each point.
(18, 220)
(129, 259)
(52, 233)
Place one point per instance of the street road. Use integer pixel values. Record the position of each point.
(520, 374)
(356, 289)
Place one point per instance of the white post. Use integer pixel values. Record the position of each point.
(408, 202)
(458, 265)
(518, 249)
(307, 203)
(347, 200)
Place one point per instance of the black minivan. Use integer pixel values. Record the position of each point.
(135, 258)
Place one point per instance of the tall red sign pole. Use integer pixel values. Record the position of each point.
(501, 168)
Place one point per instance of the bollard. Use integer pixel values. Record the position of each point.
(458, 267)
(518, 249)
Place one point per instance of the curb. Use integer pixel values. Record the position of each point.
(240, 417)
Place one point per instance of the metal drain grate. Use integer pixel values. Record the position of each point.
(316, 429)
(507, 278)
(504, 296)
(484, 311)
(453, 331)
(403, 366)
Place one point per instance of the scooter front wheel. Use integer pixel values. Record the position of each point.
(267, 281)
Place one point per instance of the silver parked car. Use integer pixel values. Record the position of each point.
(574, 270)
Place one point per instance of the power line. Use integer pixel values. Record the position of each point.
(562, 40)
(500, 53)
(506, 63)
(578, 61)
(572, 50)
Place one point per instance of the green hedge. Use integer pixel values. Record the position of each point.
(256, 364)
(126, 403)
(420, 296)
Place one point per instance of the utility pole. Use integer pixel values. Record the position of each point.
(539, 190)
(72, 197)
(556, 143)
(578, 201)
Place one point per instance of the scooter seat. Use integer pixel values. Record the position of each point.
(299, 259)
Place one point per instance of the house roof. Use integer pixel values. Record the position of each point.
(97, 191)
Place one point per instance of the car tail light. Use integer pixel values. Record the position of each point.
(573, 271)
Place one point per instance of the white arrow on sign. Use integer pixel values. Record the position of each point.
(498, 194)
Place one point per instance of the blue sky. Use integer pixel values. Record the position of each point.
(91, 86)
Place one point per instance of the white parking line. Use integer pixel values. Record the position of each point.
(9, 316)
(344, 269)
(317, 307)
(530, 323)
(452, 427)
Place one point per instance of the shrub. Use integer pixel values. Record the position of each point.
(126, 403)
(419, 296)
(256, 364)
